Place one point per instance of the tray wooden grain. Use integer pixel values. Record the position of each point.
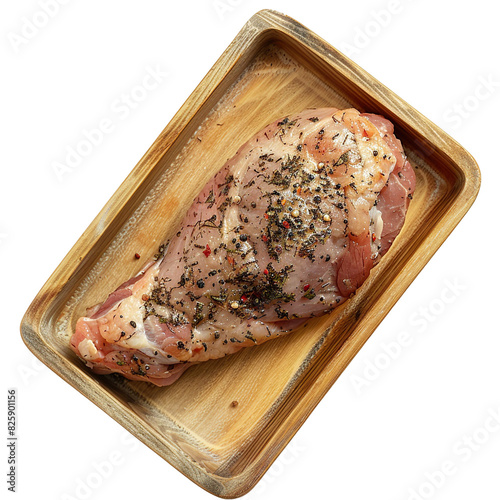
(273, 68)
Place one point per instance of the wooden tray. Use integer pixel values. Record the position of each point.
(274, 67)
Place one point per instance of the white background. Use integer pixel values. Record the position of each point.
(386, 426)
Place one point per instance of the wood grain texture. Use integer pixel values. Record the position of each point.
(273, 68)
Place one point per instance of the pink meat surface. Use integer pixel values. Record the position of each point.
(287, 230)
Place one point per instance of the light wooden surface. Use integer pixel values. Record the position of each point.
(274, 67)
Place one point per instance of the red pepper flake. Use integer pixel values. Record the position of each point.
(137, 256)
(244, 298)
(374, 237)
(266, 271)
(145, 297)
(264, 238)
(207, 251)
(306, 287)
(230, 260)
(286, 224)
(266, 216)
(365, 133)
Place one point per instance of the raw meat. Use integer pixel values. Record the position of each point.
(288, 229)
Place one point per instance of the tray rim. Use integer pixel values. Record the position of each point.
(265, 25)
